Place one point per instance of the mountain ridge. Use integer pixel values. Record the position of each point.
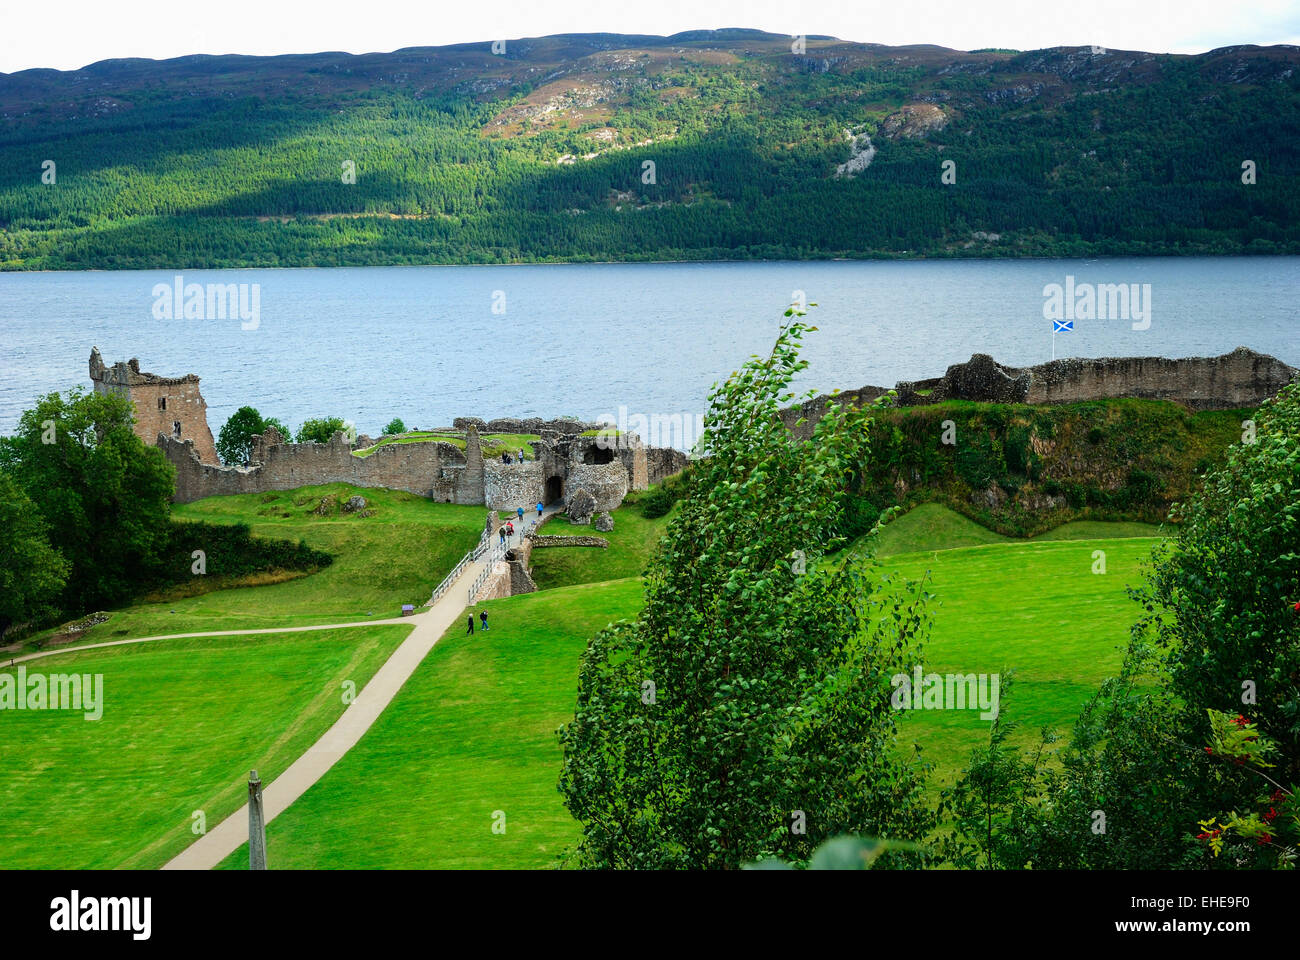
(460, 155)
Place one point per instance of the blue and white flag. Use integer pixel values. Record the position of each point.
(1062, 326)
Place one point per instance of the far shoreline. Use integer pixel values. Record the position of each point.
(1097, 258)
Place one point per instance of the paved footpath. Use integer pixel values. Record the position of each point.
(229, 835)
(208, 633)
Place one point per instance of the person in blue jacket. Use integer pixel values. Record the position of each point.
(539, 509)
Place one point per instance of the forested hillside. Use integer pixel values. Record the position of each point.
(718, 144)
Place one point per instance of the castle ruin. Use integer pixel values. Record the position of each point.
(171, 406)
(1238, 380)
(449, 465)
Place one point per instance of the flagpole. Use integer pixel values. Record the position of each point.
(1053, 340)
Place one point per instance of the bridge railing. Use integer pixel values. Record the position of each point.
(495, 550)
(470, 556)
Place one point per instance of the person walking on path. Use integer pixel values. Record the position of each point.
(502, 531)
(471, 625)
(483, 617)
(510, 528)
(520, 511)
(539, 509)
(521, 456)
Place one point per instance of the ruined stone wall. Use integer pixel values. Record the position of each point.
(607, 482)
(168, 405)
(435, 470)
(634, 460)
(663, 462)
(542, 541)
(813, 410)
(1241, 378)
(507, 486)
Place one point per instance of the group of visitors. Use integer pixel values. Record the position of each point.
(506, 458)
(505, 531)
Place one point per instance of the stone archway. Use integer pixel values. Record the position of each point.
(554, 490)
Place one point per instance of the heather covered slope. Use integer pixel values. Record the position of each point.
(463, 156)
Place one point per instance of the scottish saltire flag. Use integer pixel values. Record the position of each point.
(1062, 326)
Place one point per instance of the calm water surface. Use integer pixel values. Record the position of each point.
(423, 343)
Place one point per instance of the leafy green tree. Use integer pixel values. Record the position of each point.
(320, 430)
(394, 426)
(104, 495)
(279, 425)
(235, 441)
(745, 714)
(32, 573)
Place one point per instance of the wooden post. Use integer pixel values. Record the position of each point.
(256, 824)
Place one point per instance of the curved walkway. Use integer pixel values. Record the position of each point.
(229, 835)
(207, 633)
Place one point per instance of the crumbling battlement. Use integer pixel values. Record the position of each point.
(171, 413)
(438, 470)
(167, 405)
(1240, 379)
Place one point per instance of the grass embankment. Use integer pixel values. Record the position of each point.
(471, 733)
(631, 543)
(397, 555)
(1035, 608)
(183, 723)
(492, 444)
(932, 527)
(1025, 469)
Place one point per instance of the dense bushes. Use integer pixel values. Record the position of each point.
(230, 550)
(659, 499)
(1022, 469)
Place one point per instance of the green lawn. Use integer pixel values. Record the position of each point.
(380, 562)
(472, 732)
(183, 723)
(932, 526)
(631, 543)
(1033, 607)
(492, 443)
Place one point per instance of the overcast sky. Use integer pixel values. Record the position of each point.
(66, 34)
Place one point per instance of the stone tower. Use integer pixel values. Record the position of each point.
(168, 405)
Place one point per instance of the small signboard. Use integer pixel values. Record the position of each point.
(408, 609)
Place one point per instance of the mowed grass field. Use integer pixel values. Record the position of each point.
(470, 734)
(183, 723)
(396, 556)
(932, 526)
(1035, 608)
